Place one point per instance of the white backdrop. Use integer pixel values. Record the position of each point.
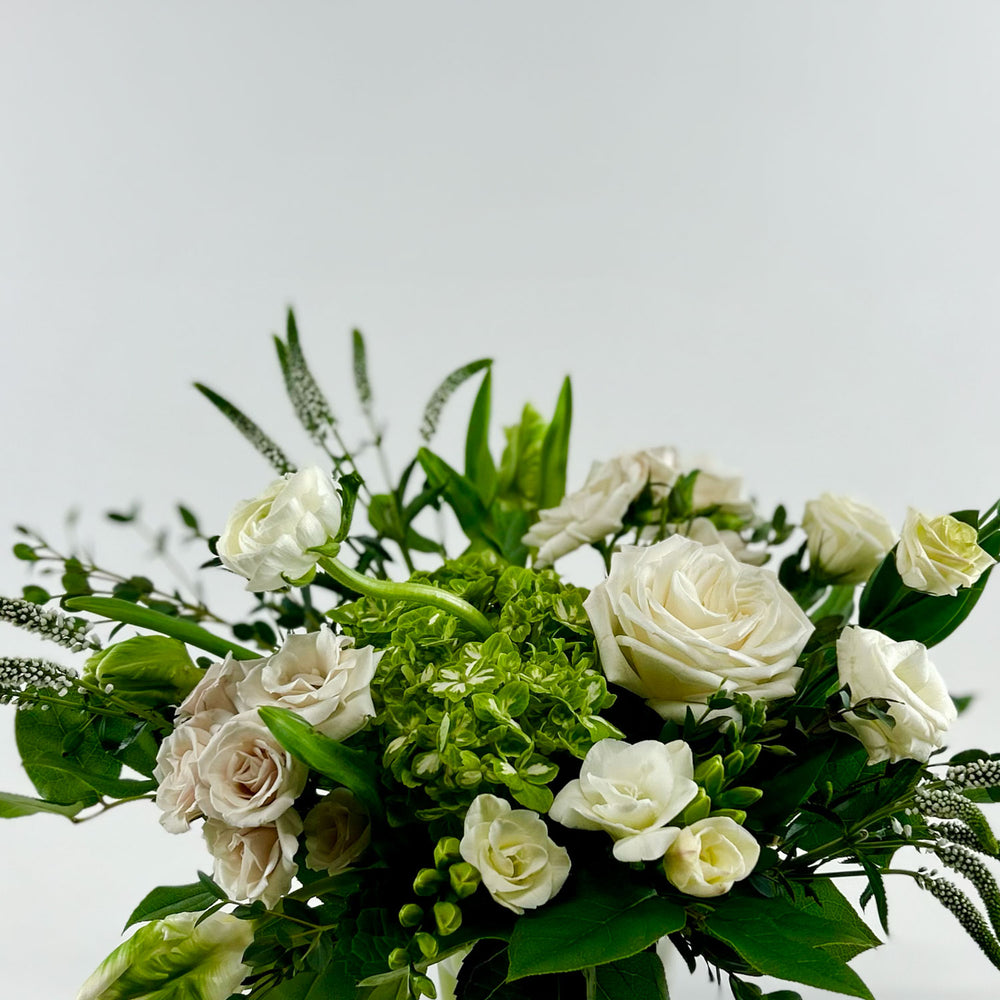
(761, 231)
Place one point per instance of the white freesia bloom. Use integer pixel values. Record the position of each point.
(319, 676)
(216, 691)
(256, 862)
(632, 791)
(246, 777)
(266, 539)
(937, 555)
(679, 620)
(875, 666)
(847, 539)
(511, 849)
(337, 832)
(597, 509)
(175, 958)
(707, 857)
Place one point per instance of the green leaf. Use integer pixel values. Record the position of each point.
(25, 552)
(331, 984)
(35, 594)
(440, 396)
(351, 768)
(875, 890)
(167, 899)
(459, 493)
(640, 977)
(591, 923)
(190, 521)
(479, 467)
(555, 449)
(12, 806)
(361, 380)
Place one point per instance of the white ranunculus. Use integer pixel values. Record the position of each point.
(216, 691)
(677, 621)
(707, 857)
(266, 539)
(256, 862)
(319, 676)
(177, 769)
(631, 791)
(847, 539)
(176, 958)
(337, 832)
(937, 555)
(246, 778)
(511, 849)
(597, 509)
(875, 666)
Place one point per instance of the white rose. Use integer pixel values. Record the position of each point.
(701, 529)
(319, 676)
(847, 539)
(216, 691)
(707, 857)
(677, 621)
(256, 862)
(714, 489)
(597, 509)
(177, 770)
(632, 792)
(511, 849)
(940, 554)
(337, 832)
(875, 666)
(266, 539)
(246, 777)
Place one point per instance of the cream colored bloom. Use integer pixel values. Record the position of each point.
(707, 857)
(337, 832)
(511, 849)
(266, 539)
(319, 676)
(596, 510)
(246, 778)
(679, 620)
(256, 862)
(874, 666)
(216, 691)
(847, 539)
(938, 555)
(631, 791)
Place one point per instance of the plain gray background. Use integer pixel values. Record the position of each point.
(765, 232)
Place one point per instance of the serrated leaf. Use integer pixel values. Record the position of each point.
(441, 395)
(640, 977)
(167, 899)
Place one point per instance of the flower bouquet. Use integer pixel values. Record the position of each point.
(430, 773)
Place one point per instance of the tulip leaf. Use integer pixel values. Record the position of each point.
(479, 467)
(12, 806)
(591, 922)
(441, 395)
(165, 900)
(555, 449)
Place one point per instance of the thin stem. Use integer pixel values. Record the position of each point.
(105, 806)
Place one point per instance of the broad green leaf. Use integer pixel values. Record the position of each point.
(331, 984)
(640, 977)
(167, 899)
(351, 768)
(479, 467)
(483, 975)
(592, 922)
(12, 806)
(441, 395)
(459, 493)
(555, 449)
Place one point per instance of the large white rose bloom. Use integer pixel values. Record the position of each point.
(677, 621)
(319, 676)
(707, 857)
(631, 791)
(875, 666)
(846, 539)
(597, 509)
(938, 555)
(266, 539)
(520, 865)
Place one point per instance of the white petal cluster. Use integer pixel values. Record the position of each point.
(267, 539)
(846, 539)
(677, 621)
(939, 555)
(707, 857)
(875, 666)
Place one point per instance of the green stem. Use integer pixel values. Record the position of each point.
(411, 593)
(133, 614)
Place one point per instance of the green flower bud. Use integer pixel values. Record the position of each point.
(422, 986)
(446, 851)
(427, 944)
(447, 917)
(399, 958)
(750, 755)
(427, 882)
(149, 670)
(411, 915)
(736, 815)
(734, 763)
(519, 478)
(742, 796)
(711, 775)
(172, 959)
(464, 879)
(699, 807)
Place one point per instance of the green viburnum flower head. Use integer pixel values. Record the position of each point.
(151, 670)
(172, 959)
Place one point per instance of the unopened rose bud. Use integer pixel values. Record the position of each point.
(446, 851)
(411, 915)
(427, 944)
(427, 882)
(398, 958)
(447, 917)
(423, 985)
(464, 879)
